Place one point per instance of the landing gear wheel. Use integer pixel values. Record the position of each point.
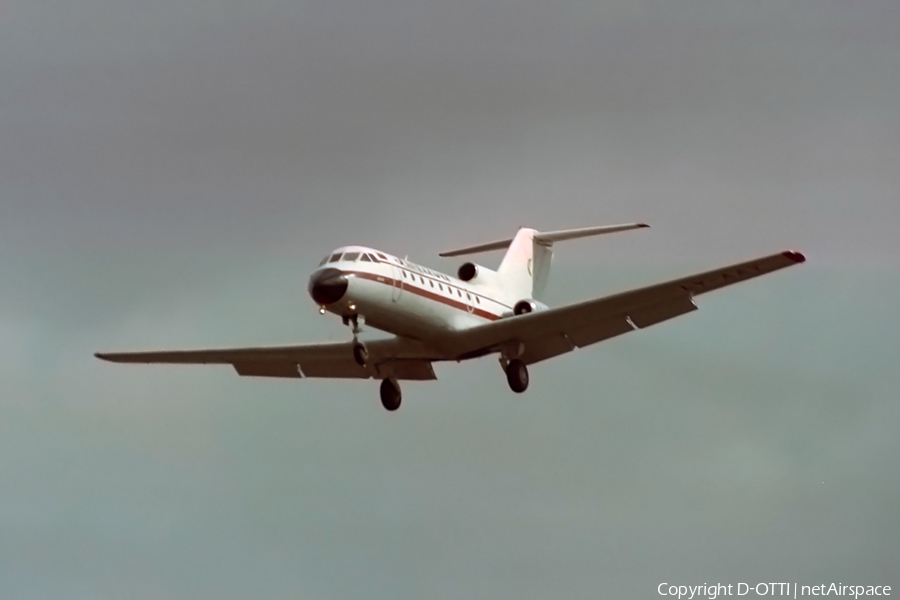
(517, 376)
(390, 394)
(360, 354)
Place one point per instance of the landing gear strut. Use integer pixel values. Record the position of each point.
(390, 394)
(360, 353)
(517, 376)
(354, 319)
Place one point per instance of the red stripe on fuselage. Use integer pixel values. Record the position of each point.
(389, 281)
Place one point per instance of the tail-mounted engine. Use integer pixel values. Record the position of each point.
(528, 305)
(468, 271)
(476, 273)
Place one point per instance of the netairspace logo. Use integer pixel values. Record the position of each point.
(713, 591)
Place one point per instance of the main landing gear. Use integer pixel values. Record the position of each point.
(390, 394)
(517, 375)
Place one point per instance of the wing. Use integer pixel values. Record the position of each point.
(395, 357)
(549, 333)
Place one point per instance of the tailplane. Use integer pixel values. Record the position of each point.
(526, 265)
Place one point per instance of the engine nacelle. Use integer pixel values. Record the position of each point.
(469, 271)
(528, 305)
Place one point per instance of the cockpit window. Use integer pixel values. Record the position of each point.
(381, 256)
(335, 257)
(324, 260)
(350, 256)
(365, 257)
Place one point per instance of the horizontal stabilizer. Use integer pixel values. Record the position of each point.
(547, 238)
(481, 248)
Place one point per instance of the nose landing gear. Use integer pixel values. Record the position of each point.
(360, 354)
(354, 321)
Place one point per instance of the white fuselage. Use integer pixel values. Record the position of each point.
(405, 299)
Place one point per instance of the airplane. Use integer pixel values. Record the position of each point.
(437, 317)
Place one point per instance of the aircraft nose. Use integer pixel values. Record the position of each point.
(327, 286)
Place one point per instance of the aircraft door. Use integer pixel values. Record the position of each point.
(397, 274)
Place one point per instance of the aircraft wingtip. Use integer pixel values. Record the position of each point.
(643, 225)
(795, 256)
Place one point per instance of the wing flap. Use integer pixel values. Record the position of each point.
(420, 370)
(597, 332)
(546, 347)
(398, 357)
(268, 369)
(645, 317)
(226, 356)
(344, 369)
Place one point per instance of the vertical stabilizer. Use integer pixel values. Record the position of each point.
(543, 256)
(524, 269)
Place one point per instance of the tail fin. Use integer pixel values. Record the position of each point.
(518, 268)
(526, 265)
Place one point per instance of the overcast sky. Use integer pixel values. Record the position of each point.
(171, 171)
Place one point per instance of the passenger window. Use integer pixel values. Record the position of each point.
(441, 287)
(477, 299)
(365, 258)
(404, 274)
(431, 282)
(351, 256)
(469, 296)
(335, 257)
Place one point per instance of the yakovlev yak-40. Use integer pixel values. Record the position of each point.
(436, 317)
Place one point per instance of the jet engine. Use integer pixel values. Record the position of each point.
(528, 305)
(477, 275)
(468, 271)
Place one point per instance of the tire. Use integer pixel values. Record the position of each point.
(517, 376)
(390, 395)
(360, 354)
